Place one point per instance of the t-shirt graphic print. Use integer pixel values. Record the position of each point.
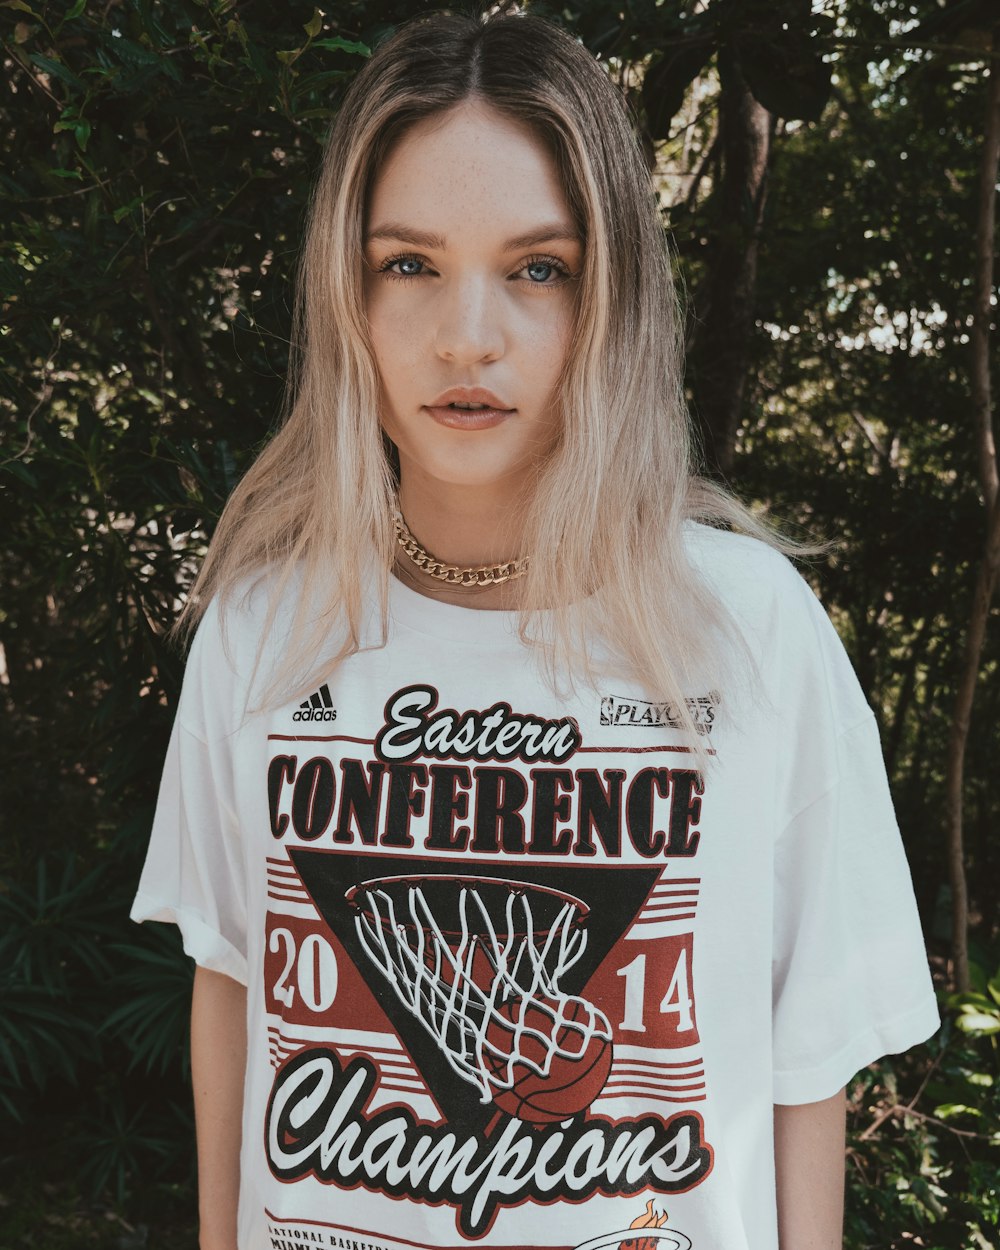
(494, 938)
(524, 969)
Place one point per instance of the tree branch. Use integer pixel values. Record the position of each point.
(987, 574)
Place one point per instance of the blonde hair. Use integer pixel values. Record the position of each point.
(604, 528)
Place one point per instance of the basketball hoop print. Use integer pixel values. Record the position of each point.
(478, 960)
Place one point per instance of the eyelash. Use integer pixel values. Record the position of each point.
(561, 270)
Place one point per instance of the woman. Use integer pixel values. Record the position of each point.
(530, 834)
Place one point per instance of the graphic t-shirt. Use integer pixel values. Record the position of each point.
(523, 969)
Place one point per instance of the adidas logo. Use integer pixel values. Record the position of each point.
(318, 706)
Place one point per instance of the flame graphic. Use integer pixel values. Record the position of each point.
(649, 1219)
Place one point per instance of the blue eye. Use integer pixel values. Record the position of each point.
(409, 267)
(537, 265)
(545, 271)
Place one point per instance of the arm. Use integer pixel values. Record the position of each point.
(809, 1142)
(218, 1064)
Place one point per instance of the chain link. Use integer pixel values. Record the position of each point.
(453, 574)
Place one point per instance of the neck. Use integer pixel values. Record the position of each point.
(465, 526)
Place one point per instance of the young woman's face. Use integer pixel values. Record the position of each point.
(471, 259)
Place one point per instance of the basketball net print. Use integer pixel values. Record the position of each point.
(483, 978)
(479, 981)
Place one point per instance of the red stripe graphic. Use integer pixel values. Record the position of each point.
(690, 1068)
(281, 896)
(396, 1072)
(606, 750)
(365, 742)
(617, 750)
(652, 1095)
(688, 915)
(616, 1084)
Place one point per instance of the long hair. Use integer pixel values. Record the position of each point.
(604, 526)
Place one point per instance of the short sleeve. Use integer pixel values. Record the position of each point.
(850, 980)
(194, 874)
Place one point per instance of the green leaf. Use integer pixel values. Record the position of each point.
(58, 70)
(971, 1000)
(667, 81)
(977, 978)
(20, 6)
(67, 173)
(948, 1110)
(345, 45)
(314, 25)
(76, 10)
(305, 115)
(787, 79)
(318, 82)
(21, 471)
(125, 209)
(993, 987)
(978, 1022)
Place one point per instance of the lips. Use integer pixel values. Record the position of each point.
(495, 412)
(470, 395)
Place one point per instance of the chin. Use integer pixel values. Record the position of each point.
(481, 477)
(481, 468)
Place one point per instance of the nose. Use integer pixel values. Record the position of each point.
(468, 327)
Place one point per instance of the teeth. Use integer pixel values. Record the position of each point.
(470, 407)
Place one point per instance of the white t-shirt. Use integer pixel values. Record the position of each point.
(519, 971)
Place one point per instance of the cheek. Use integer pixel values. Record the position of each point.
(546, 340)
(394, 339)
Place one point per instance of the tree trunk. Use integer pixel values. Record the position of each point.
(988, 472)
(722, 341)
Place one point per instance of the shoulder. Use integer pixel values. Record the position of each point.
(267, 635)
(750, 578)
(240, 640)
(240, 615)
(229, 623)
(793, 643)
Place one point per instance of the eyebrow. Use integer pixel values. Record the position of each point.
(548, 233)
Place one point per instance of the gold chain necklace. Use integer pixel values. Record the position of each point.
(453, 574)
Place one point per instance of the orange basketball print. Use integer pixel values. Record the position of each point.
(557, 1061)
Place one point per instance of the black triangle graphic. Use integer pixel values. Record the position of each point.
(613, 895)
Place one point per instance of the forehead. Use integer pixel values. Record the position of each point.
(471, 168)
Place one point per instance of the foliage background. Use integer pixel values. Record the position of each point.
(156, 164)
